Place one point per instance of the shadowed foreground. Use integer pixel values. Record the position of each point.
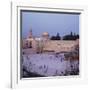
(44, 65)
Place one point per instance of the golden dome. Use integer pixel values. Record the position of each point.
(45, 34)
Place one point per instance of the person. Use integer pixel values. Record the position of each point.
(27, 57)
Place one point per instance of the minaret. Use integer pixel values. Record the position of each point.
(30, 33)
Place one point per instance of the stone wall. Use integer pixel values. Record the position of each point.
(55, 45)
(60, 46)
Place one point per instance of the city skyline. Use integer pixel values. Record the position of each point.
(53, 23)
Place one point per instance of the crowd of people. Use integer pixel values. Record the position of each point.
(48, 65)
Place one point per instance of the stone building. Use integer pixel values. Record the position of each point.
(44, 44)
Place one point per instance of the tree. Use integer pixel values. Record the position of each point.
(53, 38)
(40, 46)
(57, 37)
(71, 33)
(71, 36)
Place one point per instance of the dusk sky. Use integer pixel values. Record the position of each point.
(52, 23)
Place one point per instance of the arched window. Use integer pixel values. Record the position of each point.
(30, 44)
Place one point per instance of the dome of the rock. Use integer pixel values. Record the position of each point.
(45, 34)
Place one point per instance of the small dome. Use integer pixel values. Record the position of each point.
(45, 34)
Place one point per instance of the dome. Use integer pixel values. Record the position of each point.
(45, 34)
